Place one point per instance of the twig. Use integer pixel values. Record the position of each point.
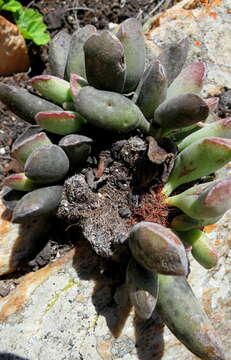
(157, 7)
(31, 3)
(80, 8)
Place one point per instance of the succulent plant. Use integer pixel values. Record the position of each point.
(102, 83)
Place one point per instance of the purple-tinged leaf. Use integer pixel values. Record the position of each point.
(220, 128)
(19, 182)
(10, 197)
(24, 104)
(76, 147)
(190, 80)
(47, 164)
(198, 159)
(184, 316)
(158, 249)
(104, 61)
(202, 250)
(173, 58)
(76, 83)
(52, 88)
(151, 91)
(131, 36)
(60, 122)
(180, 111)
(185, 223)
(76, 58)
(24, 145)
(59, 48)
(41, 202)
(142, 286)
(109, 110)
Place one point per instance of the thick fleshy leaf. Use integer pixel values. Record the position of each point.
(19, 182)
(185, 223)
(27, 133)
(47, 164)
(184, 316)
(151, 91)
(221, 128)
(180, 111)
(215, 200)
(131, 36)
(60, 122)
(23, 103)
(37, 203)
(190, 80)
(158, 249)
(173, 58)
(76, 83)
(76, 58)
(109, 110)
(187, 199)
(202, 251)
(104, 61)
(52, 88)
(24, 145)
(199, 159)
(143, 289)
(76, 147)
(58, 52)
(10, 197)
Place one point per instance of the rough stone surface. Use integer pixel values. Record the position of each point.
(17, 242)
(13, 50)
(67, 310)
(207, 24)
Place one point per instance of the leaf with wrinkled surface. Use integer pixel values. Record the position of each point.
(158, 249)
(198, 159)
(143, 289)
(104, 61)
(47, 164)
(131, 36)
(37, 203)
(190, 80)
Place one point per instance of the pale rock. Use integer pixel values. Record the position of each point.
(207, 24)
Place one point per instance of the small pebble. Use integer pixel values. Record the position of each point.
(125, 212)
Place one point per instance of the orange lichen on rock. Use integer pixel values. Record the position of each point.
(19, 297)
(13, 50)
(210, 228)
(185, 9)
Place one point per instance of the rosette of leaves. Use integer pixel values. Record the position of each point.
(104, 80)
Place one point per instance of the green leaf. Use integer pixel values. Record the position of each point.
(31, 26)
(11, 6)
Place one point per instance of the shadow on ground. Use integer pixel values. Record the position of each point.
(9, 356)
(109, 301)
